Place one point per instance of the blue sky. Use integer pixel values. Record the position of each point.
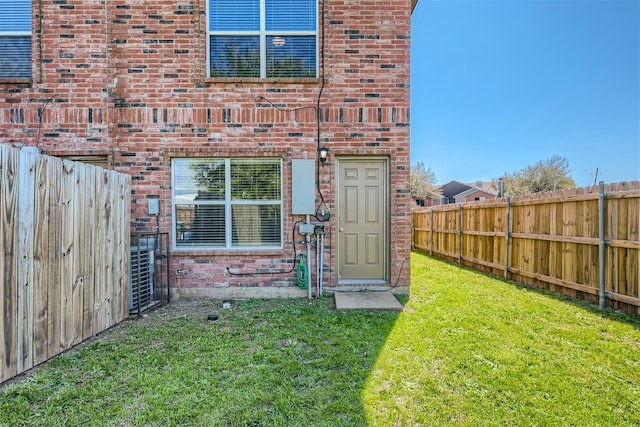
(499, 85)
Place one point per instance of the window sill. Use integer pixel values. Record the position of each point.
(255, 80)
(15, 82)
(226, 252)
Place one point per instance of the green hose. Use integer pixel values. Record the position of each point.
(302, 278)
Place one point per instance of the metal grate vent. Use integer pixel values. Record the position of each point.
(141, 278)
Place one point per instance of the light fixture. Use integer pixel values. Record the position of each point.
(324, 153)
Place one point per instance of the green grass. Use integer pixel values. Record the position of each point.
(474, 350)
(468, 350)
(274, 362)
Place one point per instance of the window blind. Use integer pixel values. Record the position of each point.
(293, 56)
(235, 56)
(291, 15)
(234, 15)
(15, 57)
(15, 38)
(15, 16)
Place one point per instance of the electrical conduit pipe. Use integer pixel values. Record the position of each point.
(318, 265)
(321, 262)
(308, 239)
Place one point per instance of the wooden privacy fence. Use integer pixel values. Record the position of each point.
(64, 264)
(582, 242)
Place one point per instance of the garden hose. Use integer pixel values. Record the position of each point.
(302, 278)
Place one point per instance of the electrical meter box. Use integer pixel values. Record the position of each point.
(303, 187)
(154, 206)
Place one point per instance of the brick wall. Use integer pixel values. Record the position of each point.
(483, 194)
(127, 79)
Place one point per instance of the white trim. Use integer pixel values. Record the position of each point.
(385, 160)
(263, 38)
(15, 33)
(262, 33)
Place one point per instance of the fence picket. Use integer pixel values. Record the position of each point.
(67, 254)
(26, 199)
(42, 221)
(54, 181)
(79, 269)
(88, 325)
(102, 266)
(633, 234)
(8, 219)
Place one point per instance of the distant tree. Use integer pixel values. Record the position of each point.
(546, 175)
(423, 182)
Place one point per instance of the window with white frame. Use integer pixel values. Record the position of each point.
(262, 38)
(232, 203)
(15, 39)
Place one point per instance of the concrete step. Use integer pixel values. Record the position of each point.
(367, 300)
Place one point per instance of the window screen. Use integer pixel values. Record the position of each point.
(262, 38)
(227, 203)
(15, 38)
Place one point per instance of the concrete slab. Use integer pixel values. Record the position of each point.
(375, 301)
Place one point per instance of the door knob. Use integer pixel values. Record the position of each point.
(341, 229)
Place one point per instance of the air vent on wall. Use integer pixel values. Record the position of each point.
(141, 281)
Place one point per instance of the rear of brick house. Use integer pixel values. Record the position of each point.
(208, 104)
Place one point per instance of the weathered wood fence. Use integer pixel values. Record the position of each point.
(582, 242)
(64, 260)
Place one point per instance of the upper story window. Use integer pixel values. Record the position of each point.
(262, 38)
(15, 39)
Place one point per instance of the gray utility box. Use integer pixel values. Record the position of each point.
(303, 187)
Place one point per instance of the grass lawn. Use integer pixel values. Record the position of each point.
(468, 350)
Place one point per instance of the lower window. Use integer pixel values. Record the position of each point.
(227, 203)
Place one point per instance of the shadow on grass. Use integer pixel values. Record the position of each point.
(263, 362)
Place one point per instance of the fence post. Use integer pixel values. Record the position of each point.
(413, 230)
(506, 239)
(460, 233)
(601, 245)
(431, 232)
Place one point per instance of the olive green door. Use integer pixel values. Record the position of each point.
(362, 220)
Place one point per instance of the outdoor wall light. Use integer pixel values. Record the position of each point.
(324, 153)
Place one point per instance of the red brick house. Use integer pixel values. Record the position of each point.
(213, 106)
(458, 192)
